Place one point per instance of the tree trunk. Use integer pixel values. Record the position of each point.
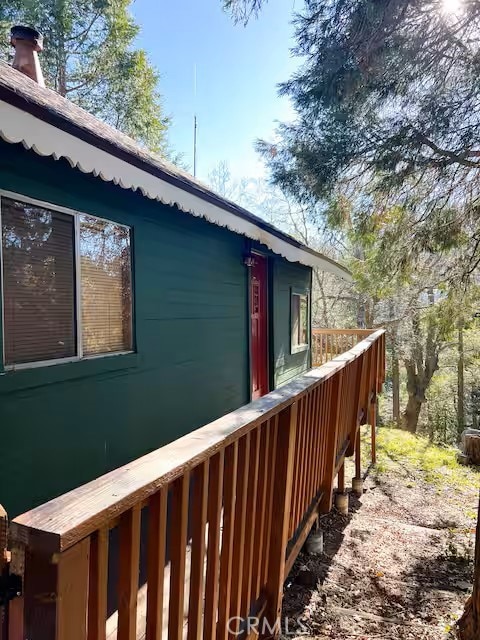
(473, 400)
(460, 383)
(471, 448)
(411, 414)
(469, 623)
(421, 365)
(395, 384)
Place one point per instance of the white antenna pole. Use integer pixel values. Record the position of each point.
(194, 120)
(194, 146)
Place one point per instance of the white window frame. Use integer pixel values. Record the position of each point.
(305, 346)
(78, 284)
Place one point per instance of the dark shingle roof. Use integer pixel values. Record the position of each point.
(47, 105)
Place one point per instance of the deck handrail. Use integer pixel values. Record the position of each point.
(348, 332)
(328, 343)
(288, 444)
(76, 514)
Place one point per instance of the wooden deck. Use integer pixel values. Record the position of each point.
(206, 528)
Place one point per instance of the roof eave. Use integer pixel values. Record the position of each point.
(45, 132)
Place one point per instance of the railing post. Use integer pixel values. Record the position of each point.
(372, 421)
(341, 498)
(282, 491)
(55, 591)
(357, 481)
(3, 568)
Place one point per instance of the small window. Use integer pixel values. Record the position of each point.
(106, 299)
(67, 290)
(300, 320)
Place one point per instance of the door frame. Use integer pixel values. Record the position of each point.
(269, 372)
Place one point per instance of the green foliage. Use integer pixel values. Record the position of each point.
(243, 10)
(389, 84)
(439, 422)
(89, 57)
(387, 102)
(439, 463)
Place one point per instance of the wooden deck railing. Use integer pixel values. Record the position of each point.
(328, 343)
(224, 512)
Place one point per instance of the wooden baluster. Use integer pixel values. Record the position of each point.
(361, 366)
(197, 562)
(307, 452)
(325, 432)
(214, 513)
(332, 435)
(228, 528)
(251, 529)
(295, 510)
(270, 458)
(240, 525)
(271, 490)
(313, 445)
(98, 583)
(129, 559)
(284, 460)
(261, 505)
(320, 437)
(178, 548)
(157, 538)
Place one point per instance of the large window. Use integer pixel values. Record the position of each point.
(300, 321)
(67, 289)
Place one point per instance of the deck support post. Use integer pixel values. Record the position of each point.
(341, 479)
(282, 490)
(341, 498)
(357, 481)
(372, 421)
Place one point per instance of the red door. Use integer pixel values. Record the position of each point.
(259, 326)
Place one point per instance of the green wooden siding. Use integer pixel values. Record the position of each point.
(66, 424)
(285, 277)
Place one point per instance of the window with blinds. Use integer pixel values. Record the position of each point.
(299, 321)
(57, 305)
(105, 286)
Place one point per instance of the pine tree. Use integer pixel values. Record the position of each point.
(90, 58)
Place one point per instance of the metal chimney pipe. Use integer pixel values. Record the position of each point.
(28, 43)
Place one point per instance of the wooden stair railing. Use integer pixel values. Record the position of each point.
(228, 507)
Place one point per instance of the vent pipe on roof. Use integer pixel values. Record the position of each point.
(28, 43)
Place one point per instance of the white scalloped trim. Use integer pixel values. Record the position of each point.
(17, 126)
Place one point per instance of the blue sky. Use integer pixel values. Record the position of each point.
(237, 68)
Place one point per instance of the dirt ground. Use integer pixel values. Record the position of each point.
(398, 567)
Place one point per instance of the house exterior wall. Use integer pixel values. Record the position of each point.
(66, 424)
(287, 276)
